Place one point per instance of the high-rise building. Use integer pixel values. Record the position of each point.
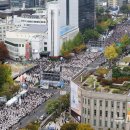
(28, 3)
(86, 14)
(4, 4)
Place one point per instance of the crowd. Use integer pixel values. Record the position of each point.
(10, 115)
(118, 33)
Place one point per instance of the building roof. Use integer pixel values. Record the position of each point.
(16, 40)
(66, 29)
(35, 29)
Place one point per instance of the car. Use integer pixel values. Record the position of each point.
(43, 117)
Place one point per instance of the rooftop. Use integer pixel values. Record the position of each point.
(89, 80)
(66, 29)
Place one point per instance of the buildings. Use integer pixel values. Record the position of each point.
(101, 108)
(86, 14)
(27, 19)
(115, 3)
(47, 32)
(5, 25)
(17, 40)
(4, 4)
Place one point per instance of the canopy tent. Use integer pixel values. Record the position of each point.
(12, 101)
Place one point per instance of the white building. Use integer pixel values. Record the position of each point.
(5, 25)
(17, 39)
(27, 19)
(44, 38)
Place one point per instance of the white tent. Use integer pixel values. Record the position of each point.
(12, 101)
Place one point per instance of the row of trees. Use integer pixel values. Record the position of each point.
(58, 105)
(76, 126)
(32, 126)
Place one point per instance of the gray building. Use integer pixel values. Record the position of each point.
(87, 15)
(103, 110)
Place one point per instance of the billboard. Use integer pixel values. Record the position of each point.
(75, 98)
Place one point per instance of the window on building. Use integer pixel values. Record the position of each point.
(22, 45)
(100, 122)
(88, 120)
(85, 101)
(112, 114)
(95, 102)
(117, 126)
(45, 48)
(100, 112)
(117, 114)
(105, 123)
(124, 105)
(88, 111)
(45, 43)
(112, 104)
(94, 122)
(106, 103)
(94, 112)
(118, 104)
(106, 113)
(85, 120)
(85, 111)
(100, 102)
(111, 124)
(19, 45)
(88, 101)
(123, 115)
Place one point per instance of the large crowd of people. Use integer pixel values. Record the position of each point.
(10, 115)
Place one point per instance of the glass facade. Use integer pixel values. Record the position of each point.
(86, 14)
(29, 3)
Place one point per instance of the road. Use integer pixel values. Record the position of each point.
(34, 115)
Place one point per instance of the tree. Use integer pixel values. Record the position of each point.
(52, 105)
(110, 53)
(90, 34)
(76, 126)
(5, 74)
(65, 101)
(3, 52)
(125, 9)
(69, 126)
(84, 127)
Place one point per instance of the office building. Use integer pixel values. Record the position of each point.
(54, 32)
(86, 14)
(28, 3)
(103, 108)
(4, 4)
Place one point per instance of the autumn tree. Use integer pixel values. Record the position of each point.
(110, 53)
(84, 127)
(69, 126)
(3, 52)
(76, 126)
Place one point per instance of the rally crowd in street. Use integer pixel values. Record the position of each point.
(10, 115)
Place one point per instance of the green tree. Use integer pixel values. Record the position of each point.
(90, 34)
(125, 9)
(52, 105)
(84, 127)
(65, 101)
(69, 126)
(5, 75)
(100, 29)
